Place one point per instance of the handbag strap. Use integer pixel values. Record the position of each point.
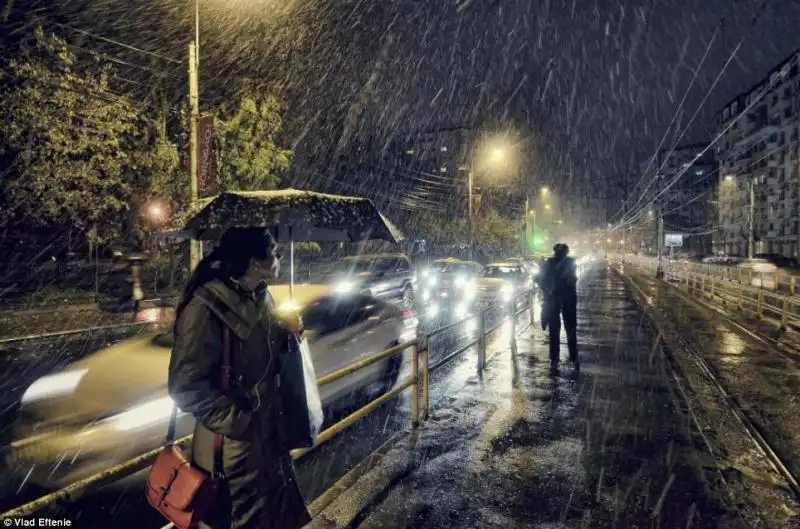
(225, 383)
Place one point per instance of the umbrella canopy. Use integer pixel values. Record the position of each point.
(298, 215)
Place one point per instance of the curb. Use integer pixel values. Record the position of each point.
(16, 313)
(362, 491)
(349, 480)
(44, 336)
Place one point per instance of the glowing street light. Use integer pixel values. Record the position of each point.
(497, 155)
(729, 178)
(545, 190)
(547, 206)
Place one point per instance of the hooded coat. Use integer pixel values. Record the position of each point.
(259, 489)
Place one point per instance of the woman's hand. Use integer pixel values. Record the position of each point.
(291, 321)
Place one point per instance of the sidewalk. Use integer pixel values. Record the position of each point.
(603, 448)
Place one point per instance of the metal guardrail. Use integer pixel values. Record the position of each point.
(746, 297)
(780, 282)
(420, 376)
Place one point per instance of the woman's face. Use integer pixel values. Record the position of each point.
(269, 268)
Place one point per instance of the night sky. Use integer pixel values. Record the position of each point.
(593, 84)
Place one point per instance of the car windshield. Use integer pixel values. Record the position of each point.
(453, 268)
(358, 266)
(500, 271)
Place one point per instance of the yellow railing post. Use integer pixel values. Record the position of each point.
(702, 286)
(530, 307)
(415, 385)
(425, 379)
(760, 303)
(481, 342)
(792, 285)
(785, 312)
(740, 296)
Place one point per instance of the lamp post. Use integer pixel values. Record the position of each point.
(195, 249)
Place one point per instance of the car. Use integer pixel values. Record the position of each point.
(385, 276)
(500, 282)
(762, 272)
(113, 405)
(446, 287)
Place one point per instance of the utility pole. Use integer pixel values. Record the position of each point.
(751, 219)
(660, 243)
(470, 234)
(194, 248)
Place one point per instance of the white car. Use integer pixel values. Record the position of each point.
(113, 405)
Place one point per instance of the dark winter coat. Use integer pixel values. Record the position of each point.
(259, 487)
(559, 277)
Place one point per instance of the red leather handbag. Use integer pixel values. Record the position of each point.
(184, 494)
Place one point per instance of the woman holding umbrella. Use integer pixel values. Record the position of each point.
(227, 312)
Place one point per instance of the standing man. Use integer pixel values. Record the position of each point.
(558, 281)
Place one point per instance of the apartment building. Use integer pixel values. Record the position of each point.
(758, 147)
(689, 202)
(688, 205)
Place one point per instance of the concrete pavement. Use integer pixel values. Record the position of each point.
(611, 446)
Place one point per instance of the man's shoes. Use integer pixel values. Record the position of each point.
(553, 367)
(575, 362)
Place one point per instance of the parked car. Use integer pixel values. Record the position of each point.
(113, 405)
(385, 276)
(447, 287)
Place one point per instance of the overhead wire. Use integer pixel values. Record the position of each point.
(655, 176)
(675, 115)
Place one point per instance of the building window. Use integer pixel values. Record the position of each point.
(443, 149)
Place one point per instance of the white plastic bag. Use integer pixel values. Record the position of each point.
(302, 408)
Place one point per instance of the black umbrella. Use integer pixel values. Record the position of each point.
(297, 215)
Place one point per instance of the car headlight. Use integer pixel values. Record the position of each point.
(344, 287)
(460, 281)
(433, 310)
(432, 281)
(534, 269)
(52, 386)
(152, 412)
(507, 292)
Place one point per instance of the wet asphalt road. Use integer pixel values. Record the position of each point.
(125, 506)
(606, 447)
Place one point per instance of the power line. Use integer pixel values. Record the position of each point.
(674, 116)
(727, 63)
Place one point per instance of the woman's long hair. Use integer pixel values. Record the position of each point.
(230, 259)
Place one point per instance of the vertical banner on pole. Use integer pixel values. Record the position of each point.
(208, 183)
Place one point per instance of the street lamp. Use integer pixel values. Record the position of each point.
(545, 190)
(547, 206)
(497, 155)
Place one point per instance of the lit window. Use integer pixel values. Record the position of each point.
(444, 149)
(410, 151)
(443, 170)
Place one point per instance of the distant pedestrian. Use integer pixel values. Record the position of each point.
(558, 281)
(227, 298)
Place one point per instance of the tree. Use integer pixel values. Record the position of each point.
(80, 153)
(249, 156)
(495, 230)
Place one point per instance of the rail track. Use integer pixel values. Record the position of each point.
(754, 432)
